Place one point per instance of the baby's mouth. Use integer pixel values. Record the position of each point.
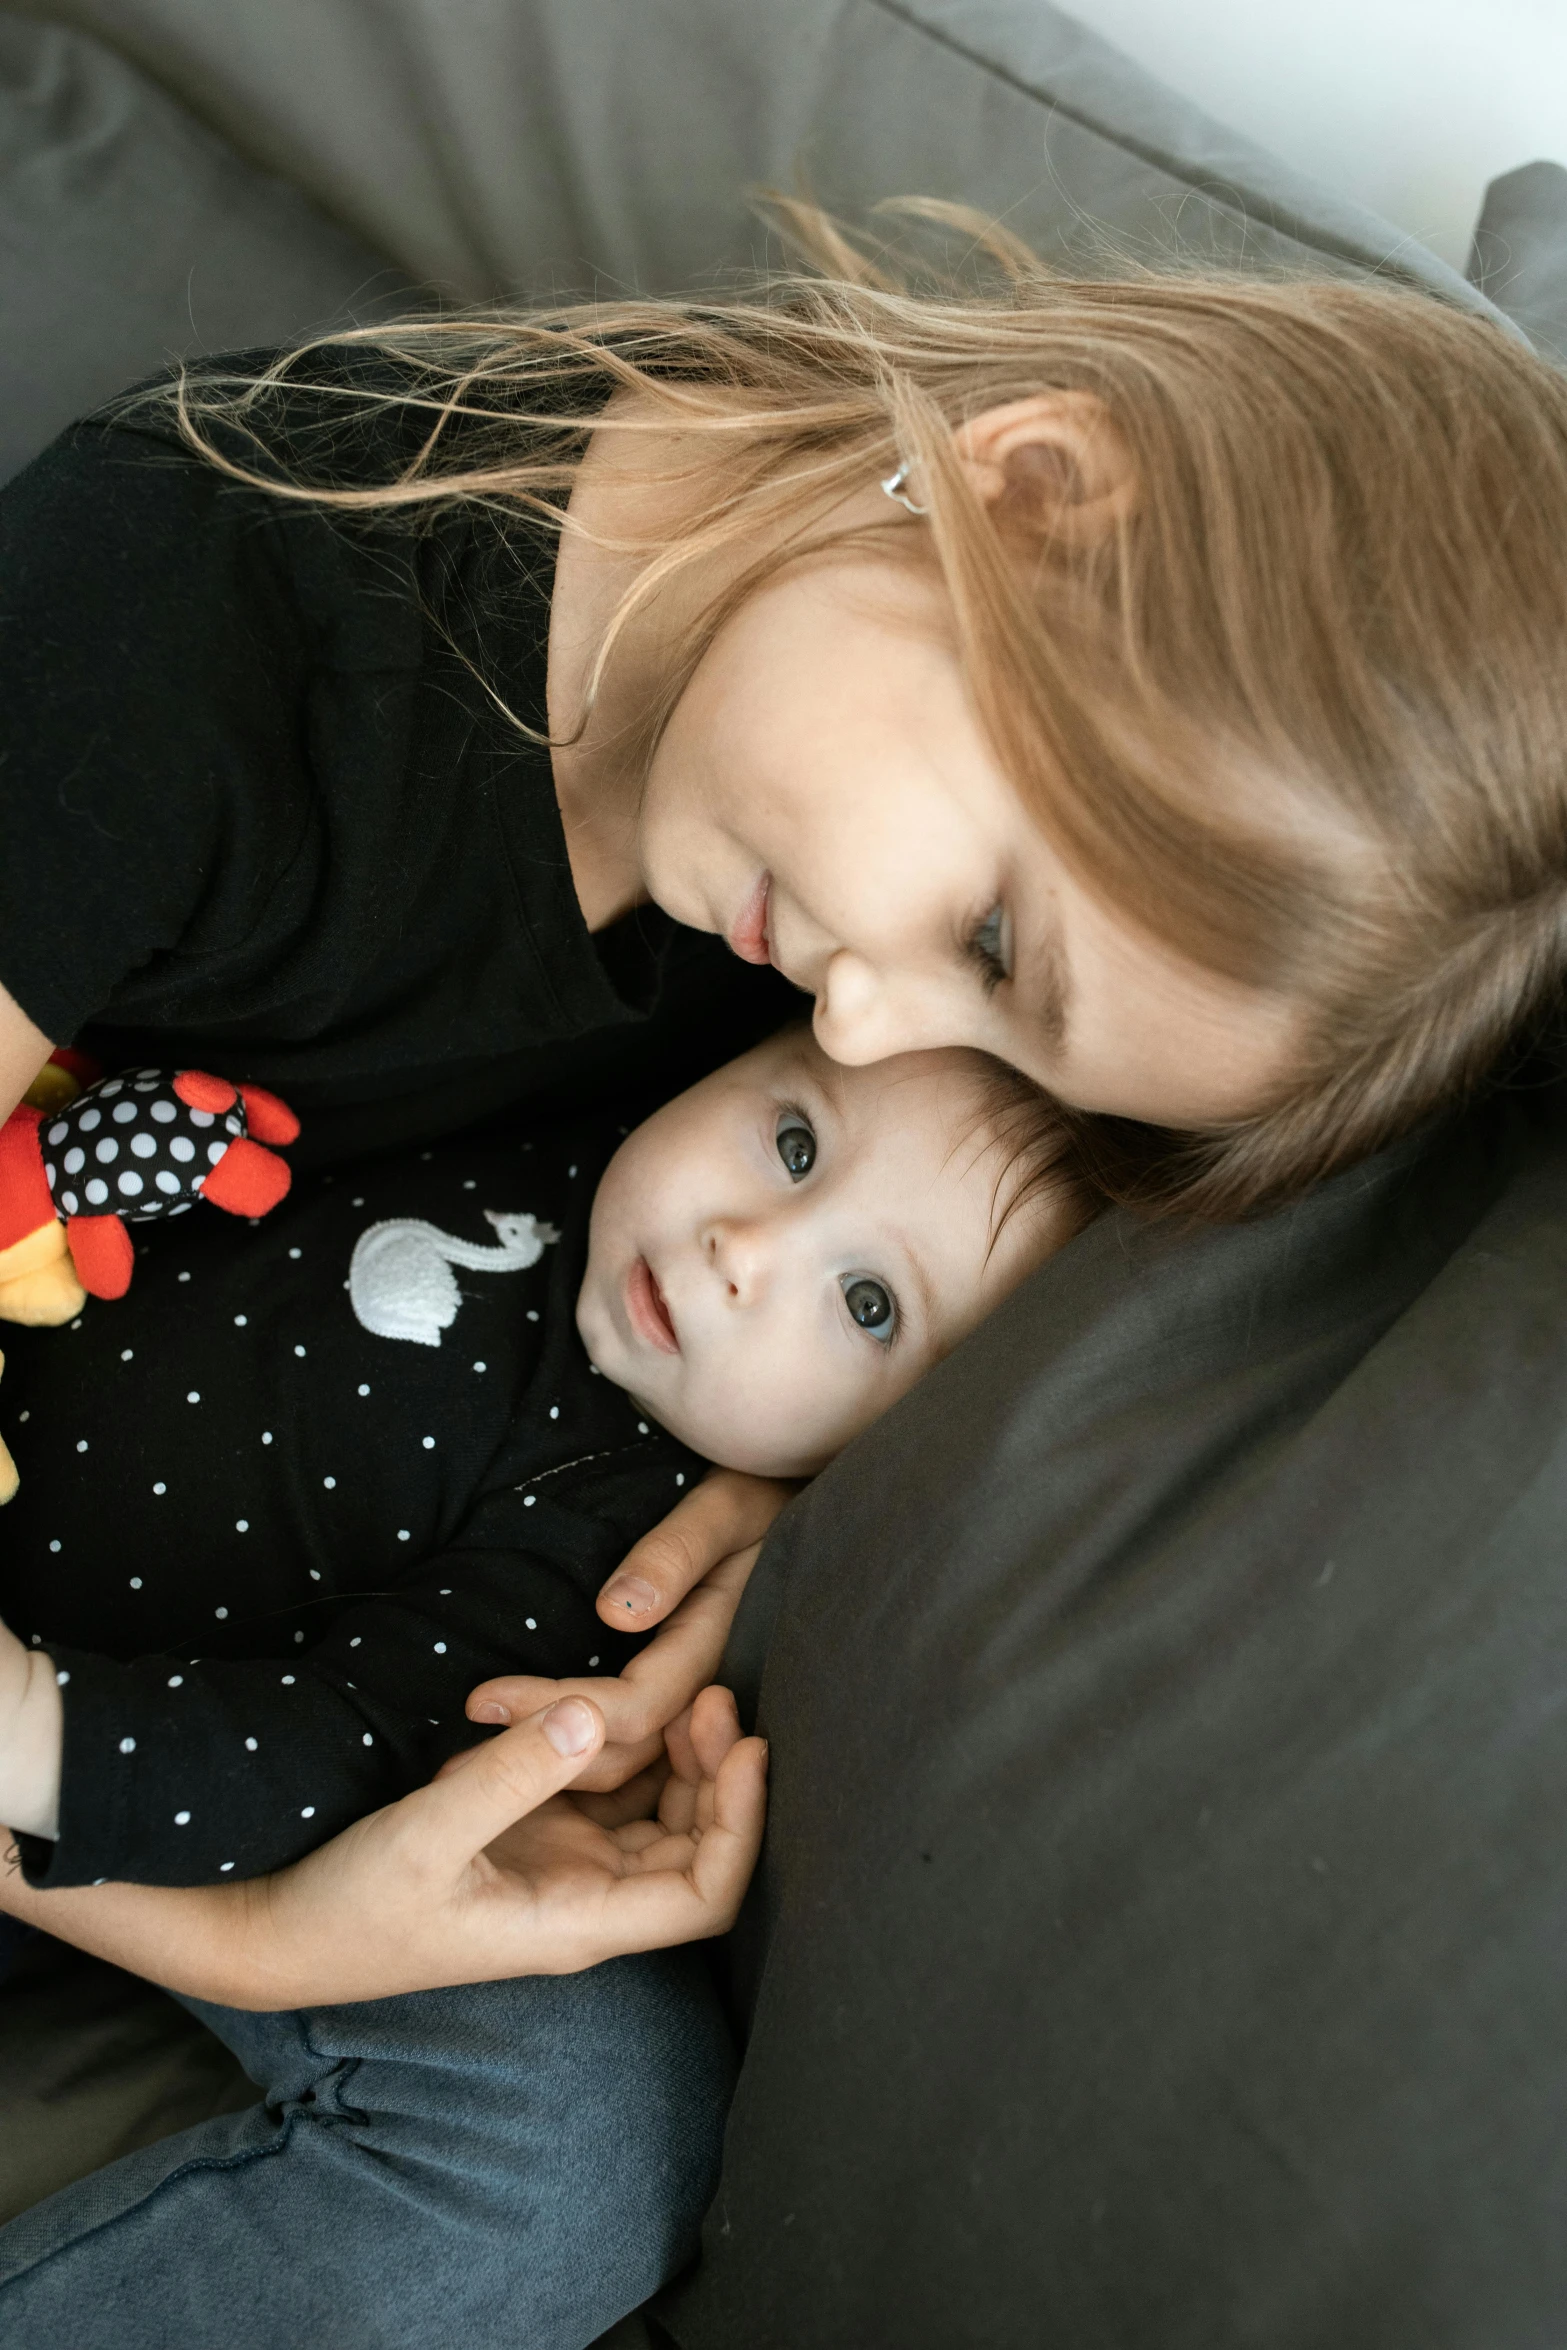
(647, 1311)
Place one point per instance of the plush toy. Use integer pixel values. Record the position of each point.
(74, 1171)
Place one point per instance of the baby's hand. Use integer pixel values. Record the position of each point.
(31, 1738)
(655, 1689)
(690, 1569)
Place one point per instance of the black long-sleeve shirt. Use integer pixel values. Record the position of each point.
(270, 1551)
(259, 814)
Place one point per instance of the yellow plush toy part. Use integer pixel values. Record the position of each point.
(9, 1480)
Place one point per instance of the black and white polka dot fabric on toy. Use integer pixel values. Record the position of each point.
(131, 1147)
(150, 1143)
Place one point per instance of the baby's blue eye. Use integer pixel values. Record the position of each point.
(796, 1145)
(869, 1305)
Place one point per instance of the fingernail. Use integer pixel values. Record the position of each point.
(569, 1726)
(488, 1711)
(630, 1595)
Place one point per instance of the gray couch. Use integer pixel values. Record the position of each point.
(1161, 1937)
(208, 176)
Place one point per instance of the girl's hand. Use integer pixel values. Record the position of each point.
(695, 1563)
(490, 1871)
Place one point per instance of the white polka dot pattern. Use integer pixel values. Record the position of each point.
(284, 1340)
(88, 1167)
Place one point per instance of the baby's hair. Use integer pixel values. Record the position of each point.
(1300, 713)
(1039, 1157)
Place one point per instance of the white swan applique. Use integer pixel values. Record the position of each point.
(400, 1278)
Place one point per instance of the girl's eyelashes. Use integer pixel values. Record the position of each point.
(796, 1144)
(871, 1306)
(988, 947)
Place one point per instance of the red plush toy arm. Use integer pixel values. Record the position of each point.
(25, 1200)
(267, 1118)
(103, 1254)
(247, 1180)
(200, 1091)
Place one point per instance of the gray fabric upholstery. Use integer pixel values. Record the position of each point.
(94, 2064)
(1160, 1935)
(514, 144)
(1519, 256)
(129, 232)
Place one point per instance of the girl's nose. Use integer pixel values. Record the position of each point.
(861, 1015)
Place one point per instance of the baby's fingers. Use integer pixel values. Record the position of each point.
(698, 1741)
(511, 1697)
(726, 1513)
(714, 1728)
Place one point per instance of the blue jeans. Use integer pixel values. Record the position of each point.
(509, 2164)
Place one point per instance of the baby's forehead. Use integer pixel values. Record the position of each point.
(938, 1098)
(925, 1126)
(949, 1156)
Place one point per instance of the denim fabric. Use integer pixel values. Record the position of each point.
(510, 2164)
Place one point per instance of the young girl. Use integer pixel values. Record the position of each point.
(1155, 684)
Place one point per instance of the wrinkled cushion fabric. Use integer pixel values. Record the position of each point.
(1162, 1932)
(525, 144)
(130, 233)
(1519, 256)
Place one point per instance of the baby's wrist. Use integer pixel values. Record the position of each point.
(32, 1738)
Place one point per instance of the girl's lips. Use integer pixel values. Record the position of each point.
(649, 1316)
(748, 936)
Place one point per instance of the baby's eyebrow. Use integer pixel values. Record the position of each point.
(923, 1283)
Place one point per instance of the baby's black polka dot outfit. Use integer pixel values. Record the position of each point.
(270, 1549)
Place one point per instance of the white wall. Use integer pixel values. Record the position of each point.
(1409, 105)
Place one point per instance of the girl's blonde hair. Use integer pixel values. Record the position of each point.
(1300, 713)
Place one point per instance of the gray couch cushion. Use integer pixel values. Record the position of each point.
(513, 144)
(129, 232)
(1519, 256)
(1161, 1938)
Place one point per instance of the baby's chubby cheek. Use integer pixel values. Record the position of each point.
(746, 1408)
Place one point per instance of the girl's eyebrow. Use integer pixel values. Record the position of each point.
(1049, 988)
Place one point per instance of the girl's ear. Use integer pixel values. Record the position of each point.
(1054, 466)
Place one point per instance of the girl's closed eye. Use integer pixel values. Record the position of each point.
(988, 947)
(871, 1307)
(796, 1144)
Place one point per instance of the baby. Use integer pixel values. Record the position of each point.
(284, 1505)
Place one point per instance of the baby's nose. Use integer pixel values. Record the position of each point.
(738, 1252)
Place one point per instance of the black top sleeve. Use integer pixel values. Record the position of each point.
(262, 814)
(152, 672)
(182, 1773)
